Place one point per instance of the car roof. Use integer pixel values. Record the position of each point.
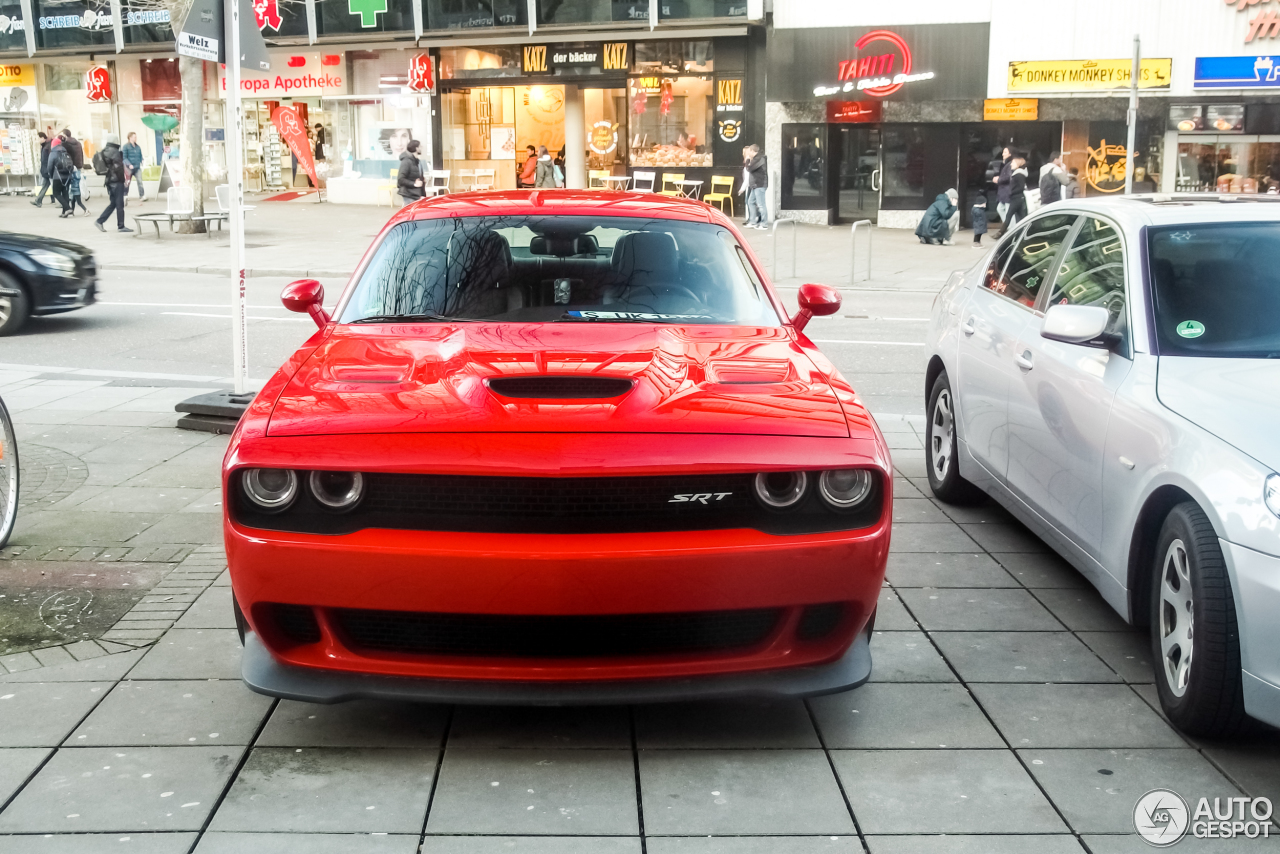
(559, 203)
(1175, 209)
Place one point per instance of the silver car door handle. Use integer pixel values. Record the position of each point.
(1023, 360)
(967, 327)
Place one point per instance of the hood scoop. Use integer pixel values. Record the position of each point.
(560, 387)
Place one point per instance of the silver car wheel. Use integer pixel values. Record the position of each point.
(1176, 613)
(6, 309)
(941, 435)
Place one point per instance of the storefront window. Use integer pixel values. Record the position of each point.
(702, 9)
(574, 11)
(65, 104)
(145, 24)
(1228, 165)
(804, 167)
(904, 154)
(281, 18)
(671, 121)
(660, 57)
(471, 14)
(468, 63)
(12, 36)
(489, 128)
(606, 114)
(73, 23)
(340, 17)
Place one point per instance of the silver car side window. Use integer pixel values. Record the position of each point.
(1032, 259)
(1092, 273)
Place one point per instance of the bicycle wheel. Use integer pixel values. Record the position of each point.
(8, 476)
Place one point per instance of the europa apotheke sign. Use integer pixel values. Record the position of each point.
(300, 76)
(882, 67)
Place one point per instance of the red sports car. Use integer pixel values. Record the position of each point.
(557, 447)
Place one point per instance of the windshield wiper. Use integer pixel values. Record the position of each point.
(411, 318)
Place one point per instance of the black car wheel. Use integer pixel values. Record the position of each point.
(15, 306)
(941, 448)
(1194, 637)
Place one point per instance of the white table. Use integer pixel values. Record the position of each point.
(617, 183)
(689, 189)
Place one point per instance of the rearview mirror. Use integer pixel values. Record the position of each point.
(815, 300)
(306, 295)
(1076, 324)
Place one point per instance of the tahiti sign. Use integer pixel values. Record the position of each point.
(882, 67)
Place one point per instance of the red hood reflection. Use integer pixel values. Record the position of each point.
(686, 379)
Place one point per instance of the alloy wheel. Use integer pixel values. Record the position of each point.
(6, 309)
(940, 436)
(1176, 618)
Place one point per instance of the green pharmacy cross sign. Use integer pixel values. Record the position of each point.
(367, 10)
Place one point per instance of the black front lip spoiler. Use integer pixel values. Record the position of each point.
(265, 675)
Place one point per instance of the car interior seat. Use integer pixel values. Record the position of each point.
(645, 271)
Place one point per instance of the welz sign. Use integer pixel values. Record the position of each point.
(882, 67)
(197, 47)
(1237, 72)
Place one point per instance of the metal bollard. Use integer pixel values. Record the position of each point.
(853, 239)
(776, 223)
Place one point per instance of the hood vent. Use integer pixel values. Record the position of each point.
(560, 388)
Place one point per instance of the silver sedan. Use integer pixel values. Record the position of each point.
(1110, 374)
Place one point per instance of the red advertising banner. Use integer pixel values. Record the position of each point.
(294, 133)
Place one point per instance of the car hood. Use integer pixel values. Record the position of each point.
(435, 378)
(1237, 400)
(26, 242)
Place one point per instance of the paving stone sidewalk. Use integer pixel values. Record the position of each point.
(1009, 711)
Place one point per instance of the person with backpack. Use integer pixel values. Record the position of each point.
(1053, 177)
(132, 154)
(545, 171)
(109, 163)
(61, 168)
(38, 201)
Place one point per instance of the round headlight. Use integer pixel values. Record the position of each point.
(272, 490)
(781, 489)
(845, 489)
(337, 490)
(1271, 493)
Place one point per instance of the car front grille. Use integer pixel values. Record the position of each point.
(507, 636)
(561, 505)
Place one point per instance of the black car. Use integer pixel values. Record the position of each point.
(40, 275)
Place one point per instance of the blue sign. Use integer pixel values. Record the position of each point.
(1237, 72)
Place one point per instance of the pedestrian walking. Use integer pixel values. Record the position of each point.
(545, 171)
(1017, 210)
(529, 171)
(1002, 180)
(74, 189)
(940, 220)
(113, 176)
(979, 214)
(1053, 177)
(1072, 190)
(409, 183)
(38, 201)
(61, 168)
(757, 189)
(132, 154)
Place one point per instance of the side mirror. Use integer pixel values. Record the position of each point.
(1076, 324)
(815, 301)
(306, 295)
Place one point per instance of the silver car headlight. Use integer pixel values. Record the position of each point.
(272, 490)
(1271, 493)
(54, 262)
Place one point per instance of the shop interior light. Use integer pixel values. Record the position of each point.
(535, 92)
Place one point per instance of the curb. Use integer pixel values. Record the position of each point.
(206, 270)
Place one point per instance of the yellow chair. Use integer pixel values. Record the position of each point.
(717, 198)
(389, 189)
(595, 179)
(671, 178)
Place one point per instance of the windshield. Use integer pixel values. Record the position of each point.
(522, 269)
(1217, 289)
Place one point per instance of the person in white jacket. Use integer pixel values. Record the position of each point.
(1053, 177)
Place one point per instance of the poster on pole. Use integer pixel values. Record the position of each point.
(294, 133)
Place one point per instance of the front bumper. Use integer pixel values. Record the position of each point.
(265, 675)
(56, 294)
(1257, 594)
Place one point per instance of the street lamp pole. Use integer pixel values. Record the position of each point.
(1133, 115)
(235, 180)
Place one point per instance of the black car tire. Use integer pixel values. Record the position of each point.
(14, 310)
(941, 448)
(1193, 611)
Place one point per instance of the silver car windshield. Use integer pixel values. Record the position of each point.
(531, 269)
(1217, 289)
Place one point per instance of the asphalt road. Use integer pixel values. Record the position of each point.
(179, 325)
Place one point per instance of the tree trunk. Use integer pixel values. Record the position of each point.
(191, 137)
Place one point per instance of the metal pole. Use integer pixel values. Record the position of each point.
(235, 180)
(853, 241)
(1133, 115)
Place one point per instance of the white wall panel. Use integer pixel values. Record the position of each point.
(860, 13)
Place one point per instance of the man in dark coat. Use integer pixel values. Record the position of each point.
(114, 179)
(1017, 210)
(61, 169)
(936, 226)
(74, 148)
(1002, 180)
(409, 183)
(757, 168)
(38, 201)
